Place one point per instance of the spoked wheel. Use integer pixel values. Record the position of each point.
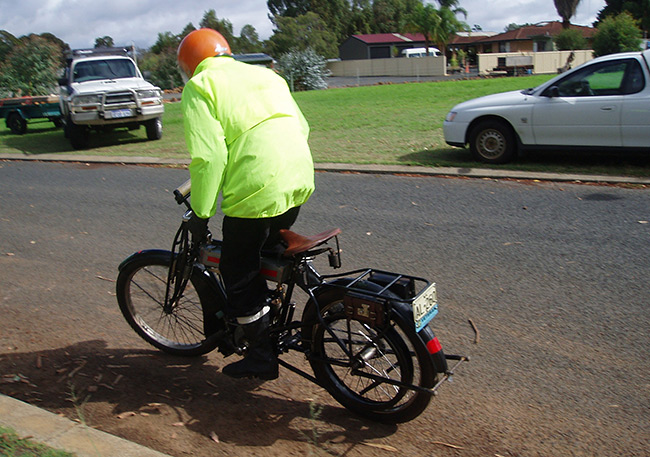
(368, 369)
(141, 288)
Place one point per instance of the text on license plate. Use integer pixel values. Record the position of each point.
(425, 307)
(120, 113)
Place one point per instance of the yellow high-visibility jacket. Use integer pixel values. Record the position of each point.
(247, 138)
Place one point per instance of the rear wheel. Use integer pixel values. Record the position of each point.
(370, 375)
(141, 288)
(16, 123)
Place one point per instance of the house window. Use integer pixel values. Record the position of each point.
(504, 46)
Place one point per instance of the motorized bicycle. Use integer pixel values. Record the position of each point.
(365, 333)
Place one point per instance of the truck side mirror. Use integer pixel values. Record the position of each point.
(146, 75)
(63, 81)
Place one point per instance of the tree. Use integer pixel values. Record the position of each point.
(335, 14)
(31, 67)
(288, 8)
(62, 46)
(638, 9)
(249, 40)
(223, 26)
(7, 43)
(566, 9)
(300, 33)
(570, 40)
(104, 42)
(186, 31)
(453, 5)
(161, 61)
(361, 18)
(303, 70)
(392, 15)
(437, 26)
(617, 34)
(166, 42)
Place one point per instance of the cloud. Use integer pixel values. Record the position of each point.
(79, 22)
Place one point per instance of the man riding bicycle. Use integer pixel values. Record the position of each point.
(247, 139)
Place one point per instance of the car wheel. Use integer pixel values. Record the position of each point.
(492, 142)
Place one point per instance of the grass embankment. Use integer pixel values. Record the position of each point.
(11, 445)
(385, 124)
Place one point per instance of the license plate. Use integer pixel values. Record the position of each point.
(120, 113)
(425, 307)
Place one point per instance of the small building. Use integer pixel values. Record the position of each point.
(380, 45)
(259, 58)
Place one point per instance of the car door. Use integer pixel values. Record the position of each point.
(635, 117)
(584, 108)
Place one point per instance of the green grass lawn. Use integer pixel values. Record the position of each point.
(384, 124)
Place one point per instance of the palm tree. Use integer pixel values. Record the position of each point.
(437, 26)
(566, 9)
(453, 5)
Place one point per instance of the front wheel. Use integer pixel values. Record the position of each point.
(154, 129)
(79, 135)
(141, 289)
(368, 370)
(492, 142)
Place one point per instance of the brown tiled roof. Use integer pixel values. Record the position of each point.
(528, 32)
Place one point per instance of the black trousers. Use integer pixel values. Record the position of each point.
(243, 242)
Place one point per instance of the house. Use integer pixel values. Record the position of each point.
(529, 38)
(379, 45)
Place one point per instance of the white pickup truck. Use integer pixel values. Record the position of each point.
(103, 89)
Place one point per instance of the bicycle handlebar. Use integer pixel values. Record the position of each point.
(182, 191)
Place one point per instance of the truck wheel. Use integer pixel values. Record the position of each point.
(16, 123)
(79, 136)
(58, 122)
(154, 129)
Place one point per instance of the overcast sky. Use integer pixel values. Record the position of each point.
(79, 22)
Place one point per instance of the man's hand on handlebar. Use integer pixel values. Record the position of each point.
(198, 228)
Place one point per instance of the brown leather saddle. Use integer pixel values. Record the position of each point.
(297, 244)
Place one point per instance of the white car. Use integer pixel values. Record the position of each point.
(604, 103)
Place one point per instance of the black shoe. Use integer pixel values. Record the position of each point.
(260, 360)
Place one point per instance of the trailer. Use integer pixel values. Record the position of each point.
(17, 111)
(514, 66)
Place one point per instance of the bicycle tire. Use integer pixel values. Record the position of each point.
(398, 346)
(141, 287)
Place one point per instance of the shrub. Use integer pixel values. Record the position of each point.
(570, 40)
(617, 34)
(303, 70)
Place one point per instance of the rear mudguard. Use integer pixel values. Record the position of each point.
(211, 294)
(405, 312)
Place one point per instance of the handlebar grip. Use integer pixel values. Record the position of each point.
(182, 191)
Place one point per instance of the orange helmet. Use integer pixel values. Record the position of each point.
(199, 45)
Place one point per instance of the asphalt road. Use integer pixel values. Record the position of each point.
(553, 275)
